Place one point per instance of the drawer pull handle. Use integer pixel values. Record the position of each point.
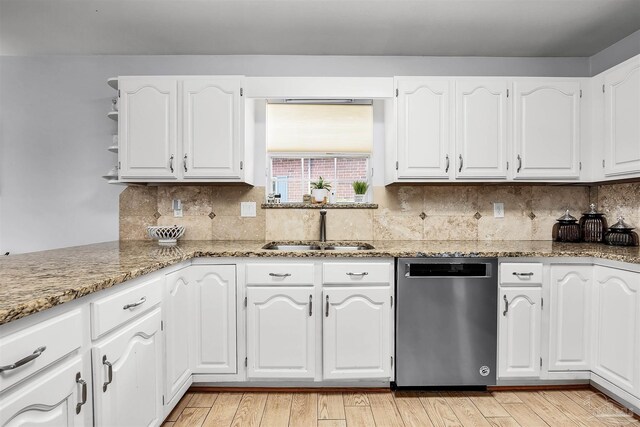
(326, 310)
(83, 383)
(109, 366)
(515, 273)
(36, 353)
(506, 305)
(135, 304)
(310, 305)
(364, 273)
(279, 274)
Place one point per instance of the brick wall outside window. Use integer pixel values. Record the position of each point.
(294, 174)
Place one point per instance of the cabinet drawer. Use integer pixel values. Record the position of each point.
(115, 310)
(44, 344)
(356, 272)
(280, 274)
(521, 273)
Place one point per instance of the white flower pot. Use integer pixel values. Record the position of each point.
(319, 194)
(358, 198)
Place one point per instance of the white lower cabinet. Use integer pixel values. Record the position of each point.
(177, 324)
(570, 317)
(356, 336)
(59, 397)
(519, 332)
(616, 346)
(127, 372)
(215, 318)
(281, 332)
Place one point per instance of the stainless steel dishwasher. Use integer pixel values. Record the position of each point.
(446, 322)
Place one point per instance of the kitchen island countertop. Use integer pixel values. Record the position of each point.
(36, 281)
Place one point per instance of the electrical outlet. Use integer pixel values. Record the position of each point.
(247, 209)
(498, 210)
(177, 208)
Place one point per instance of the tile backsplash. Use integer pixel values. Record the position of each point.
(408, 212)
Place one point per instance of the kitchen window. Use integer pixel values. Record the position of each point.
(306, 141)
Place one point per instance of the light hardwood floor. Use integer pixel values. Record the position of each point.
(411, 409)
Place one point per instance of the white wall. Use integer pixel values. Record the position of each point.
(54, 129)
(619, 52)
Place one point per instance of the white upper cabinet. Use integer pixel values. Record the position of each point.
(356, 333)
(546, 125)
(186, 129)
(570, 317)
(481, 129)
(622, 119)
(212, 133)
(423, 121)
(616, 347)
(147, 128)
(519, 332)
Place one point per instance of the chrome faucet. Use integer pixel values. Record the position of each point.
(323, 225)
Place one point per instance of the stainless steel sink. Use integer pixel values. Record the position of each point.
(325, 246)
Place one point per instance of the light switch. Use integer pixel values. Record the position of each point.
(247, 209)
(177, 208)
(498, 210)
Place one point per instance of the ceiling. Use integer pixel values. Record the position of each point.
(315, 27)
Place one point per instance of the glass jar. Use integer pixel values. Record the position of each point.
(621, 234)
(566, 229)
(593, 225)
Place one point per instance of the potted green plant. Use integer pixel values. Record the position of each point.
(320, 189)
(360, 188)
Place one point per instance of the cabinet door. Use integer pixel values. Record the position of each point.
(215, 313)
(570, 317)
(622, 123)
(212, 143)
(50, 399)
(178, 322)
(281, 332)
(519, 332)
(546, 130)
(616, 355)
(356, 332)
(127, 372)
(423, 129)
(481, 129)
(147, 128)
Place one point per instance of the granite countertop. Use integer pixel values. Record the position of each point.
(33, 282)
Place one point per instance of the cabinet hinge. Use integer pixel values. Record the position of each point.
(162, 325)
(396, 93)
(396, 165)
(580, 93)
(245, 301)
(241, 165)
(391, 300)
(241, 92)
(507, 93)
(246, 361)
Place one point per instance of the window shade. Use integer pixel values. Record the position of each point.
(303, 128)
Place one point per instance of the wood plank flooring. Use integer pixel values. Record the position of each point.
(584, 408)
